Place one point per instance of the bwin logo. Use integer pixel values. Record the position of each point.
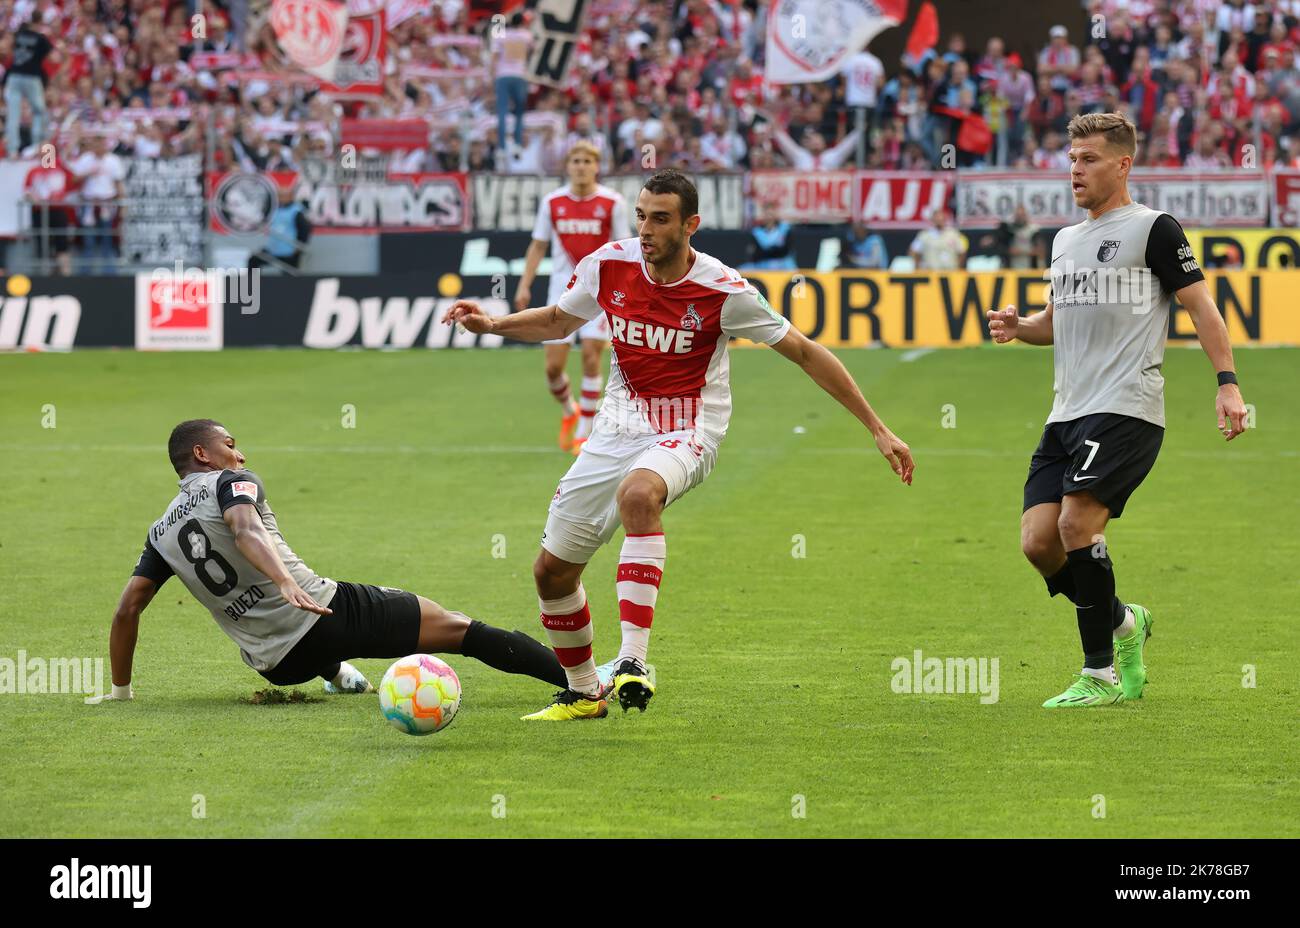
(88, 881)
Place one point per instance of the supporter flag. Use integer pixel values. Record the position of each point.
(925, 32)
(810, 40)
(310, 33)
(973, 134)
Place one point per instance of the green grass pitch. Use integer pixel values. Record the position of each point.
(774, 670)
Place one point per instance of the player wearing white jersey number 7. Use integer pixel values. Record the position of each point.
(671, 312)
(1114, 276)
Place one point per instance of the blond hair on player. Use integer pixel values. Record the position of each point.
(583, 147)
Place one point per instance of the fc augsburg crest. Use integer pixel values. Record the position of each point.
(1107, 250)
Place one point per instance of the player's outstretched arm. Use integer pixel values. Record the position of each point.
(255, 544)
(1006, 325)
(828, 373)
(532, 258)
(1212, 333)
(137, 595)
(531, 325)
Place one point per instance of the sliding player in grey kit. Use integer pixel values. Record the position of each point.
(1114, 276)
(220, 537)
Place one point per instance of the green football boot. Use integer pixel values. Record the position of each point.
(1129, 652)
(1084, 692)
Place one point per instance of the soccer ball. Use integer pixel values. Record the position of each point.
(419, 694)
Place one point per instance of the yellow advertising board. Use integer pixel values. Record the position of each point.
(929, 309)
(1250, 249)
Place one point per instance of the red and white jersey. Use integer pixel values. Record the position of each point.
(668, 369)
(577, 226)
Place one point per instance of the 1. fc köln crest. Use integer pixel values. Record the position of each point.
(1107, 250)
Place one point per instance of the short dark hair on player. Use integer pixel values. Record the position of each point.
(671, 180)
(1117, 129)
(191, 432)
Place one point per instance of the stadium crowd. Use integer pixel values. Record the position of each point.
(1201, 78)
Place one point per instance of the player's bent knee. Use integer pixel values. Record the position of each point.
(1039, 550)
(642, 496)
(1073, 531)
(554, 577)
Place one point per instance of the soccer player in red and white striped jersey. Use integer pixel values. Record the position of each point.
(573, 221)
(671, 312)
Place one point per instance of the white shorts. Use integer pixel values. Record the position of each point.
(584, 511)
(593, 330)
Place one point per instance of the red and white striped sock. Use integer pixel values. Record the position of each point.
(568, 626)
(587, 404)
(560, 390)
(640, 568)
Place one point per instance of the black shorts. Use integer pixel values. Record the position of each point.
(1107, 454)
(367, 621)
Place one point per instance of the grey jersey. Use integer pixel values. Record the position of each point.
(192, 541)
(1113, 280)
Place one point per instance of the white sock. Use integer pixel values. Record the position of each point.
(1128, 626)
(640, 570)
(1104, 674)
(588, 401)
(346, 670)
(636, 642)
(568, 626)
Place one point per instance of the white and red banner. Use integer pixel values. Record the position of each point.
(1206, 199)
(360, 68)
(1285, 189)
(811, 40)
(901, 199)
(341, 200)
(384, 134)
(986, 198)
(311, 33)
(882, 199)
(804, 196)
(399, 11)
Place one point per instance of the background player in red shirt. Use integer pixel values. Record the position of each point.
(573, 221)
(672, 311)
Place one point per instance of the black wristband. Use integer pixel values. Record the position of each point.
(1226, 377)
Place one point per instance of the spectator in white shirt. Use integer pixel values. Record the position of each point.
(721, 147)
(940, 247)
(813, 155)
(864, 76)
(101, 174)
(1059, 60)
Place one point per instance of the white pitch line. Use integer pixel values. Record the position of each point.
(915, 354)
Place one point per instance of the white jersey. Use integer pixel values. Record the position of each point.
(577, 226)
(668, 366)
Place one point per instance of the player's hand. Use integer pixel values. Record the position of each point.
(897, 454)
(1232, 411)
(1004, 324)
(521, 299)
(297, 596)
(468, 314)
(116, 694)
